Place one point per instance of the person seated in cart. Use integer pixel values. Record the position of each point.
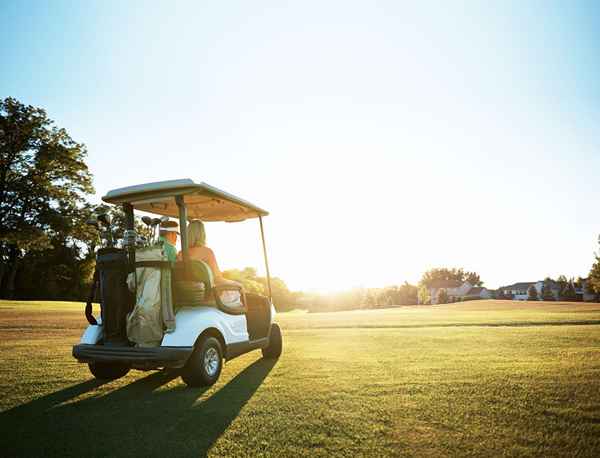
(200, 252)
(168, 235)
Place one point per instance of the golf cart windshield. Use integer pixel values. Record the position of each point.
(203, 202)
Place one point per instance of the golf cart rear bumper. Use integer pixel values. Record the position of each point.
(139, 358)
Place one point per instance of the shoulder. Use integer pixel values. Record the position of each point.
(201, 251)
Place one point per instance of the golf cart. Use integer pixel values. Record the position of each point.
(156, 313)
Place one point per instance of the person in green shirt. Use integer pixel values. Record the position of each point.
(168, 235)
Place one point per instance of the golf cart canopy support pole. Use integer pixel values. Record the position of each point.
(183, 229)
(262, 235)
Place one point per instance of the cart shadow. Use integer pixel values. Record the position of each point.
(139, 418)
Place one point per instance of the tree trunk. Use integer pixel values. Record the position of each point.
(12, 272)
(2, 272)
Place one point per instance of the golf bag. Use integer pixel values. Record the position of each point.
(152, 314)
(112, 266)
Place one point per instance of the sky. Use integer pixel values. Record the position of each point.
(384, 138)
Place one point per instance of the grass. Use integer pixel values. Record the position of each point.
(483, 378)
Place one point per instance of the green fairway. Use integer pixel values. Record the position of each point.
(479, 378)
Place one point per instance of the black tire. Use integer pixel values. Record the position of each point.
(108, 371)
(195, 372)
(275, 343)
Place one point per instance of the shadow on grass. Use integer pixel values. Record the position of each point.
(135, 419)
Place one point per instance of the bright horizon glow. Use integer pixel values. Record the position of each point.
(383, 139)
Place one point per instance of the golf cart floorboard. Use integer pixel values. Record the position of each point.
(136, 357)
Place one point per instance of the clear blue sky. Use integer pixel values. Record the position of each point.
(384, 137)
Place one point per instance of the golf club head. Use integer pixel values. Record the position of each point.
(164, 219)
(104, 218)
(155, 221)
(147, 220)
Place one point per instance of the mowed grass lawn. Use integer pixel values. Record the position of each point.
(482, 378)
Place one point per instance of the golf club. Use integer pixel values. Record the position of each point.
(105, 219)
(156, 232)
(148, 222)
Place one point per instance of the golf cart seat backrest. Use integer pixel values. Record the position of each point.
(195, 286)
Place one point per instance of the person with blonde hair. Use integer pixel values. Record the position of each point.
(198, 249)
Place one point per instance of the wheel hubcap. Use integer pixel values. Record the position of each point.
(211, 361)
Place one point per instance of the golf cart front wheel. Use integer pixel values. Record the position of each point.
(108, 371)
(275, 343)
(205, 363)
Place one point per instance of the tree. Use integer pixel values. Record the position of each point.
(473, 278)
(569, 293)
(593, 283)
(43, 183)
(424, 297)
(547, 294)
(532, 294)
(283, 298)
(408, 294)
(442, 297)
(248, 278)
(441, 274)
(449, 274)
(562, 283)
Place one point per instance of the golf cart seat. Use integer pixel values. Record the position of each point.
(195, 286)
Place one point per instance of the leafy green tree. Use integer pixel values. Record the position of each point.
(43, 184)
(547, 294)
(248, 278)
(593, 283)
(569, 294)
(434, 275)
(442, 297)
(283, 298)
(473, 278)
(408, 294)
(441, 274)
(562, 283)
(532, 294)
(424, 297)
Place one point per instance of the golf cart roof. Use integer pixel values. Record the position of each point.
(203, 201)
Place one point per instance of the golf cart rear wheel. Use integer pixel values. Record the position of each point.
(205, 363)
(108, 371)
(275, 343)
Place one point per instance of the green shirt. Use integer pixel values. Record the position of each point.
(170, 250)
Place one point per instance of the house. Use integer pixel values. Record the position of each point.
(520, 291)
(478, 292)
(457, 290)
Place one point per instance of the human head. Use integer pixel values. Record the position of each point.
(171, 237)
(196, 234)
(169, 230)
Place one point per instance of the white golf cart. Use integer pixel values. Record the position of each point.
(156, 313)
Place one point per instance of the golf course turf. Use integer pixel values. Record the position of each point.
(483, 378)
